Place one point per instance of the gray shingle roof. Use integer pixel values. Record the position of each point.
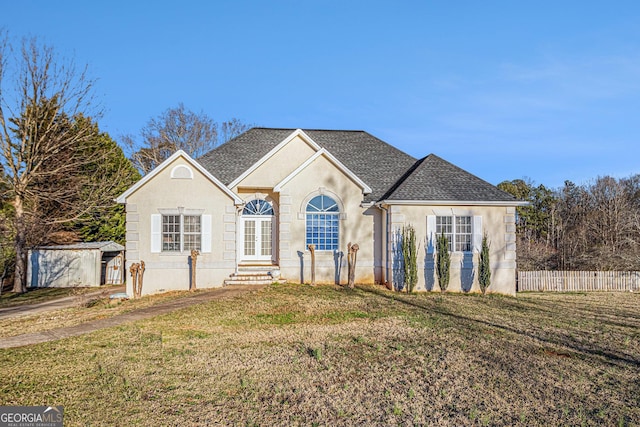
(434, 179)
(391, 173)
(374, 161)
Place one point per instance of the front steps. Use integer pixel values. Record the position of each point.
(255, 275)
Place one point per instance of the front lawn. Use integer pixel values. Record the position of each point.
(298, 355)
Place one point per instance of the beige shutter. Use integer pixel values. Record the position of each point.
(206, 234)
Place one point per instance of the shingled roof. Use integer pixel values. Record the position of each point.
(374, 161)
(391, 173)
(434, 179)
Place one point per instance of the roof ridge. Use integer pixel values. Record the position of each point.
(307, 129)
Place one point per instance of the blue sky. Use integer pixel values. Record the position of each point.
(545, 90)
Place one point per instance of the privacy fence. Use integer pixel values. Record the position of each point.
(569, 281)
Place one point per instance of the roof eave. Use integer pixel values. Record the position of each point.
(515, 203)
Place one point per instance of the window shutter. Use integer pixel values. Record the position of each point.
(477, 233)
(431, 234)
(206, 234)
(156, 233)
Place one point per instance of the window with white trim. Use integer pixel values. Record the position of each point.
(458, 230)
(181, 233)
(323, 223)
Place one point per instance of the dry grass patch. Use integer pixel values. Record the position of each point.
(39, 295)
(88, 309)
(296, 355)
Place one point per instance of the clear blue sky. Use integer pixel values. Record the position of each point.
(548, 90)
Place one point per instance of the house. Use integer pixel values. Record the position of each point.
(75, 265)
(255, 203)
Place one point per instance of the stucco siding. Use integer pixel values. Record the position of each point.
(322, 177)
(168, 270)
(278, 166)
(497, 223)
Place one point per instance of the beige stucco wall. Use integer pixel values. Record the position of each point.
(356, 226)
(497, 221)
(278, 166)
(170, 271)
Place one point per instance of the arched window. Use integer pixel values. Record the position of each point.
(323, 215)
(258, 207)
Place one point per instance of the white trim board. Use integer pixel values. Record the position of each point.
(450, 203)
(323, 152)
(274, 150)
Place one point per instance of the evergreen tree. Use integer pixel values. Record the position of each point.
(410, 255)
(484, 266)
(443, 261)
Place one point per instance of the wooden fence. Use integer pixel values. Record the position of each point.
(570, 281)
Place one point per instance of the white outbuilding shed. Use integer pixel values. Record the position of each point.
(76, 265)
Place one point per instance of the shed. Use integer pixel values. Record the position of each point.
(78, 264)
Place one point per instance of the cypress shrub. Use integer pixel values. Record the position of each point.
(443, 261)
(484, 266)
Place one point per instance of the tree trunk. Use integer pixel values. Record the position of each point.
(194, 260)
(20, 246)
(134, 277)
(312, 250)
(352, 258)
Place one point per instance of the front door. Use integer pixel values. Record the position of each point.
(257, 228)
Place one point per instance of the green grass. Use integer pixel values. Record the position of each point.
(300, 355)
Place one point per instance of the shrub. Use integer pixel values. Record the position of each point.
(410, 255)
(484, 266)
(443, 261)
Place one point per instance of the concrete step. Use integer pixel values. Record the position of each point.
(246, 282)
(255, 275)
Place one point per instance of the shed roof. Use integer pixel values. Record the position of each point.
(109, 246)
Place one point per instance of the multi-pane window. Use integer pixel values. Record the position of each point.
(458, 230)
(191, 232)
(181, 233)
(323, 223)
(463, 235)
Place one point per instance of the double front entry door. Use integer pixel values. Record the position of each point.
(257, 228)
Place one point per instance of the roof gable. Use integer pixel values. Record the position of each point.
(297, 133)
(162, 166)
(372, 160)
(342, 168)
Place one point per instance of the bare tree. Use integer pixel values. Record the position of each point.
(50, 160)
(179, 128)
